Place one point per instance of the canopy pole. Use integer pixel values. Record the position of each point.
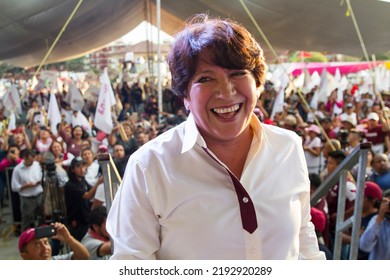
(159, 82)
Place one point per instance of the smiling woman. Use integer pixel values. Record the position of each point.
(221, 185)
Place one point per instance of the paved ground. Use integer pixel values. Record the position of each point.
(9, 241)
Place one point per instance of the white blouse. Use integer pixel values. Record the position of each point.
(176, 202)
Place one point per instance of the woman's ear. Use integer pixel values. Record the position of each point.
(186, 104)
(259, 90)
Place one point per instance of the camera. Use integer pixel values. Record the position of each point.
(343, 136)
(45, 231)
(291, 111)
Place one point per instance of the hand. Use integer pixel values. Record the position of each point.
(384, 207)
(62, 233)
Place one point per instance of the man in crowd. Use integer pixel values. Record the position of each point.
(375, 239)
(381, 174)
(120, 158)
(97, 240)
(26, 180)
(32, 247)
(78, 195)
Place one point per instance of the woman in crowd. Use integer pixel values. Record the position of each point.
(61, 157)
(42, 140)
(91, 165)
(74, 140)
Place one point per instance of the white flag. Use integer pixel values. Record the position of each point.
(12, 122)
(106, 80)
(49, 77)
(321, 94)
(343, 85)
(281, 81)
(11, 100)
(103, 119)
(76, 98)
(386, 82)
(53, 114)
(307, 84)
(379, 78)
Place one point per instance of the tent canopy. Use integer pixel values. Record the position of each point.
(28, 28)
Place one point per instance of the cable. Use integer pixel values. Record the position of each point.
(55, 41)
(285, 71)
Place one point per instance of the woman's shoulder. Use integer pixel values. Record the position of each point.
(279, 132)
(169, 143)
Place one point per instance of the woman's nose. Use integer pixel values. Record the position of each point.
(225, 87)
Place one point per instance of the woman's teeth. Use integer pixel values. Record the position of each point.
(226, 110)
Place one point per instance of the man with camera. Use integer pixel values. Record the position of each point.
(376, 238)
(34, 244)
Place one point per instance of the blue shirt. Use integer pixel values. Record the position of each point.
(376, 240)
(382, 180)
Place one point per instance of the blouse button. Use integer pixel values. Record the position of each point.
(245, 200)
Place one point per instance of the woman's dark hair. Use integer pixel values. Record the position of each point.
(337, 155)
(51, 146)
(231, 46)
(85, 134)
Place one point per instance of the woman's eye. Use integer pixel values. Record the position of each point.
(239, 73)
(203, 80)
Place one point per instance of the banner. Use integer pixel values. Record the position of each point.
(103, 119)
(53, 114)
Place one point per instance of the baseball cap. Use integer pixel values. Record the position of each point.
(25, 237)
(290, 120)
(103, 148)
(314, 128)
(76, 161)
(269, 121)
(373, 190)
(373, 116)
(318, 219)
(349, 119)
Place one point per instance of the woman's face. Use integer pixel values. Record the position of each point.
(44, 134)
(221, 100)
(18, 137)
(56, 149)
(127, 130)
(77, 132)
(87, 156)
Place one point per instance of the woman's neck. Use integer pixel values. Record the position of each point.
(233, 153)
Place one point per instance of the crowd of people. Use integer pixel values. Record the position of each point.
(32, 152)
(341, 126)
(328, 133)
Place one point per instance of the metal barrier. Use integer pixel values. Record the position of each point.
(358, 155)
(111, 178)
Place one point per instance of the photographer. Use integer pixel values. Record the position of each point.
(32, 247)
(375, 239)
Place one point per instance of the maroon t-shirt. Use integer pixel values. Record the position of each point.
(375, 135)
